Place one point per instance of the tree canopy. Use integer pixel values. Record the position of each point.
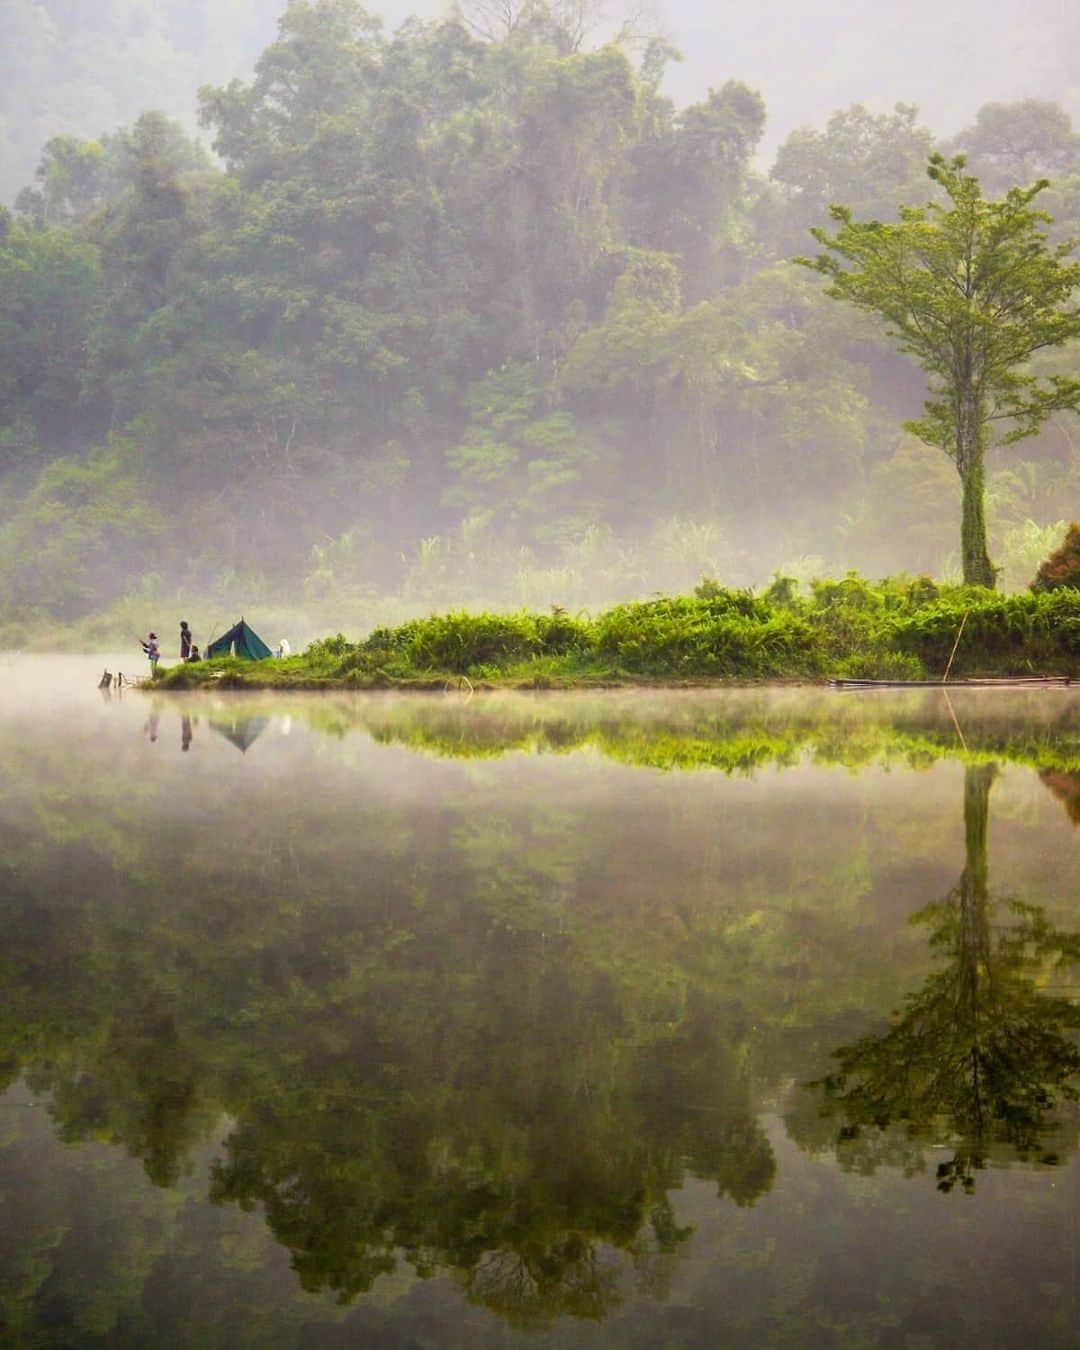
(973, 289)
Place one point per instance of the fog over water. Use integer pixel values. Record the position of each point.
(495, 1019)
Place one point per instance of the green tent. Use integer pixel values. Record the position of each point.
(242, 641)
(242, 731)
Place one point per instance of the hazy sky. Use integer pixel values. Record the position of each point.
(948, 56)
(85, 66)
(810, 57)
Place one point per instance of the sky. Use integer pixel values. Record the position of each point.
(947, 56)
(810, 57)
(86, 66)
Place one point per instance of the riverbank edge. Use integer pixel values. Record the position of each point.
(175, 681)
(251, 679)
(715, 638)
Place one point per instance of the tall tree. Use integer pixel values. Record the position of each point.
(870, 161)
(51, 290)
(1019, 142)
(972, 289)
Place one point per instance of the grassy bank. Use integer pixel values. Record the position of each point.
(901, 629)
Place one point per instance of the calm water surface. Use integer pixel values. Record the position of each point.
(727, 1019)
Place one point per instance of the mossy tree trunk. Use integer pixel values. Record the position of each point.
(975, 559)
(971, 466)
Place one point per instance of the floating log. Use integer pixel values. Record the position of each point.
(988, 682)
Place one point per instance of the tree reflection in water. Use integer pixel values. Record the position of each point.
(980, 1058)
(486, 1021)
(539, 1192)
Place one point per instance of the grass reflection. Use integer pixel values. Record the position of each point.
(432, 993)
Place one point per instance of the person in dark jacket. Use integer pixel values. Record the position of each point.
(185, 640)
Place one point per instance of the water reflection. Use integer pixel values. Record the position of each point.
(242, 732)
(981, 1055)
(527, 1022)
(518, 1166)
(1066, 788)
(733, 734)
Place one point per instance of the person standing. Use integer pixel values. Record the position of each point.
(153, 651)
(185, 640)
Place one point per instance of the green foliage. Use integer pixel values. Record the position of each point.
(728, 634)
(461, 642)
(782, 591)
(468, 314)
(51, 291)
(81, 522)
(972, 289)
(1019, 143)
(895, 666)
(1022, 633)
(869, 161)
(1062, 568)
(899, 629)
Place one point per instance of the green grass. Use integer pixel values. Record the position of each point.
(898, 629)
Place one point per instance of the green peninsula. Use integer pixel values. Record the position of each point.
(903, 629)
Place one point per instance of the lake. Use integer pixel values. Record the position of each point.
(738, 1018)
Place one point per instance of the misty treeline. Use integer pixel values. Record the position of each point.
(470, 311)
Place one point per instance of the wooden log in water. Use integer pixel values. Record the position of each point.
(987, 682)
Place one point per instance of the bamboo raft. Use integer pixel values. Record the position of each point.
(989, 682)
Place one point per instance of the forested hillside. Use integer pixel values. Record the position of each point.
(446, 318)
(83, 67)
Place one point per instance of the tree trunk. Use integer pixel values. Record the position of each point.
(978, 569)
(970, 440)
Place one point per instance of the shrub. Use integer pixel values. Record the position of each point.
(922, 590)
(782, 591)
(883, 666)
(325, 649)
(460, 642)
(901, 628)
(1061, 571)
(1018, 632)
(852, 592)
(560, 635)
(729, 634)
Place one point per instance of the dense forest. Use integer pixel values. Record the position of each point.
(442, 315)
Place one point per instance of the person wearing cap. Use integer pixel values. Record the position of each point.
(153, 651)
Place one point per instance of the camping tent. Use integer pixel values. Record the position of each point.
(240, 641)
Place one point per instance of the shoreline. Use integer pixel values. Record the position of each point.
(890, 635)
(241, 681)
